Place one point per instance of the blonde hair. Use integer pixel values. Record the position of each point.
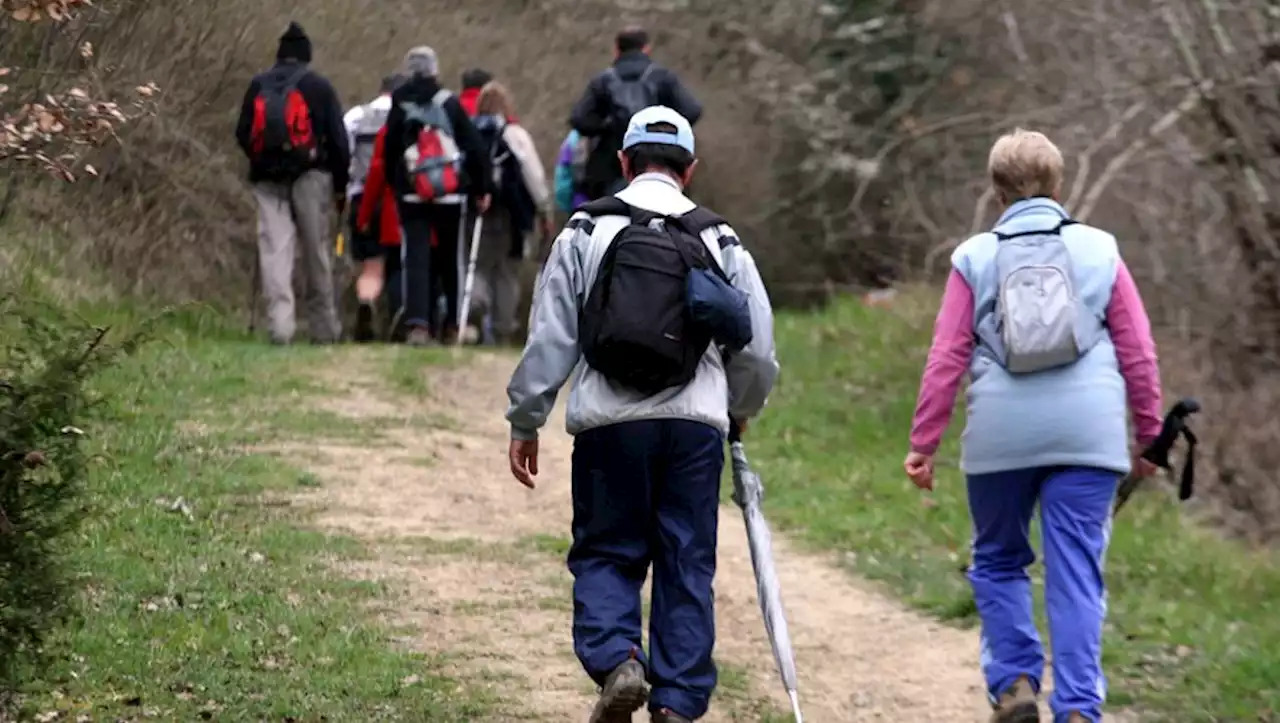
(1024, 164)
(495, 99)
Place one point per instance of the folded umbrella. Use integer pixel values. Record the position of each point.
(748, 491)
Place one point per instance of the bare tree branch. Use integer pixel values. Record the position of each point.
(1086, 158)
(1117, 163)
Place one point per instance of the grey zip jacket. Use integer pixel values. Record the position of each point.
(553, 353)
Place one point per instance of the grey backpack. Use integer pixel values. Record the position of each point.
(629, 96)
(1039, 321)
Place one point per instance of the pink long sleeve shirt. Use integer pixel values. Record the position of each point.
(953, 347)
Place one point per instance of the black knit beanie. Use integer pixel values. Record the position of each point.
(294, 45)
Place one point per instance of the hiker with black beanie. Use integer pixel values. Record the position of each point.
(291, 130)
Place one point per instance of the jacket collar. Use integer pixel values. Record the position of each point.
(1034, 206)
(655, 177)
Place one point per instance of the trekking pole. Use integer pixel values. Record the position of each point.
(464, 309)
(1175, 425)
(253, 290)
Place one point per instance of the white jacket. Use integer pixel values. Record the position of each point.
(535, 176)
(553, 352)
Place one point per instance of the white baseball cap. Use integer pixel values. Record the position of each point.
(638, 129)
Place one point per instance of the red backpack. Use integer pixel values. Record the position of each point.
(431, 155)
(282, 138)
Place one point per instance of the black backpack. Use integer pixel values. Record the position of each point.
(512, 195)
(635, 326)
(629, 96)
(281, 135)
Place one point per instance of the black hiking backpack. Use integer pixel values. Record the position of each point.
(636, 326)
(629, 95)
(512, 194)
(281, 136)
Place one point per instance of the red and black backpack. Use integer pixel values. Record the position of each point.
(282, 138)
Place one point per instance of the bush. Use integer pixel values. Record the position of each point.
(45, 361)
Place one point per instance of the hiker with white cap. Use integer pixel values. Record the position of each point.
(655, 308)
(436, 161)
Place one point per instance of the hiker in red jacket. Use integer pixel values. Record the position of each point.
(378, 203)
(472, 81)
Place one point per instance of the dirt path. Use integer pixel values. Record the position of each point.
(483, 561)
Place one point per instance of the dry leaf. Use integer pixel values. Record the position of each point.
(86, 50)
(77, 93)
(90, 170)
(5, 71)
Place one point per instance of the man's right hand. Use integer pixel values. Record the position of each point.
(522, 455)
(482, 203)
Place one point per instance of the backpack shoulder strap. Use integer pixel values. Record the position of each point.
(1056, 230)
(700, 219)
(606, 206)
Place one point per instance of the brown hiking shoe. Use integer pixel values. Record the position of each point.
(1017, 704)
(666, 715)
(624, 693)
(419, 336)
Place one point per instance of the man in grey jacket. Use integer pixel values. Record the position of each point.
(646, 469)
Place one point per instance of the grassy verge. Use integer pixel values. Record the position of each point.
(1194, 624)
(200, 601)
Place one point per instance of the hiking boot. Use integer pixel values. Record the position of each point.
(1017, 704)
(419, 336)
(364, 322)
(666, 715)
(624, 693)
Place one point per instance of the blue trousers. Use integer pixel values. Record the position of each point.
(648, 492)
(1075, 515)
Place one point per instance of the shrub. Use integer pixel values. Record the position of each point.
(45, 360)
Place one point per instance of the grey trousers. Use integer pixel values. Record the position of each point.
(290, 215)
(497, 284)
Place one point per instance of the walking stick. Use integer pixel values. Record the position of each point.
(253, 290)
(464, 309)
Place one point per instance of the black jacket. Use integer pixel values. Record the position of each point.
(593, 118)
(475, 156)
(326, 123)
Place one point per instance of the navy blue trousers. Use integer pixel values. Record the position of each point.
(648, 492)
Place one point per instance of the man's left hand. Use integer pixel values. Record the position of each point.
(482, 203)
(523, 457)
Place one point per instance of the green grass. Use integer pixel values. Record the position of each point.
(1194, 621)
(200, 601)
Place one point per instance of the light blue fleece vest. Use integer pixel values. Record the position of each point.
(1074, 415)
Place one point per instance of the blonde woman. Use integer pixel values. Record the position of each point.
(522, 201)
(1043, 315)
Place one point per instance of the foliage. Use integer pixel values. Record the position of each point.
(45, 361)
